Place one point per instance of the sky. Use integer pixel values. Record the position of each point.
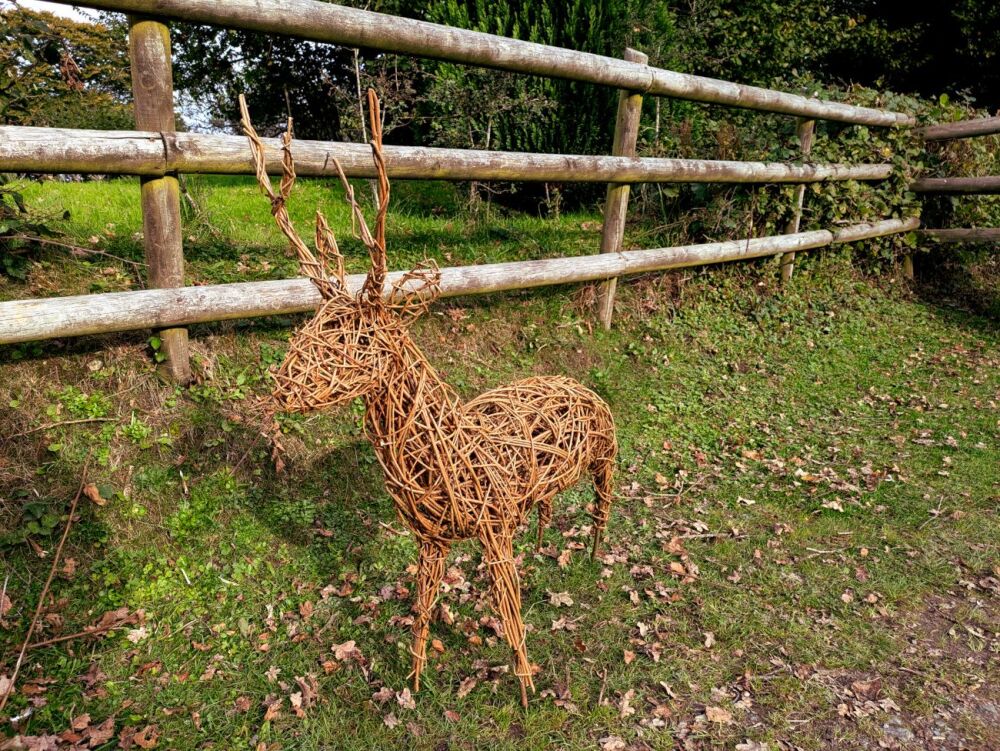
(66, 11)
(195, 116)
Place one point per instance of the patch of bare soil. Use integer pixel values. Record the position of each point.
(943, 690)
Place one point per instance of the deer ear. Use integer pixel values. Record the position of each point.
(413, 292)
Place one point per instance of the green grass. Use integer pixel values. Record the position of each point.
(808, 475)
(231, 237)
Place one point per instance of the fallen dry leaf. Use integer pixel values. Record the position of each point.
(344, 651)
(102, 733)
(466, 686)
(272, 706)
(612, 743)
(405, 699)
(136, 635)
(625, 708)
(560, 599)
(90, 491)
(719, 715)
(309, 688)
(79, 723)
(867, 689)
(295, 700)
(147, 737)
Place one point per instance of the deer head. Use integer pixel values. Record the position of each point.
(352, 344)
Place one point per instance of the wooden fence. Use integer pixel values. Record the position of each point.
(157, 155)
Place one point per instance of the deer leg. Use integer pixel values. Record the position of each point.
(544, 517)
(498, 551)
(603, 472)
(430, 570)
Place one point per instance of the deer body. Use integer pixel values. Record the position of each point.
(455, 471)
(442, 492)
(495, 458)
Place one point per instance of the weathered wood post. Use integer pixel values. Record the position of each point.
(616, 206)
(908, 266)
(152, 91)
(805, 132)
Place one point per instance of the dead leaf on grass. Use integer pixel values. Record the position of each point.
(90, 491)
(719, 715)
(344, 651)
(466, 686)
(560, 599)
(147, 737)
(405, 699)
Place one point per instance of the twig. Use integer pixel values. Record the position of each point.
(3, 593)
(75, 248)
(393, 530)
(94, 632)
(45, 589)
(246, 453)
(604, 685)
(60, 424)
(815, 552)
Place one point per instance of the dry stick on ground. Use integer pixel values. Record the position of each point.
(60, 424)
(100, 631)
(76, 249)
(3, 594)
(78, 635)
(45, 589)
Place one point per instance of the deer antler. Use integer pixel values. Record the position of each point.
(326, 243)
(374, 283)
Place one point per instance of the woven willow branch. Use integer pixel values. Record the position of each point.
(455, 471)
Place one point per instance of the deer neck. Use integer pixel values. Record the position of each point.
(413, 394)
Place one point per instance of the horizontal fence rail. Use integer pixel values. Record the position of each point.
(965, 129)
(55, 150)
(353, 27)
(30, 320)
(970, 234)
(969, 185)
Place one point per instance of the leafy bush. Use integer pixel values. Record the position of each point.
(699, 213)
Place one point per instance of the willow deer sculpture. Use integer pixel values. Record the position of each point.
(455, 471)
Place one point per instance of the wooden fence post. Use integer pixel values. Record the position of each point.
(152, 91)
(805, 131)
(616, 206)
(908, 266)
